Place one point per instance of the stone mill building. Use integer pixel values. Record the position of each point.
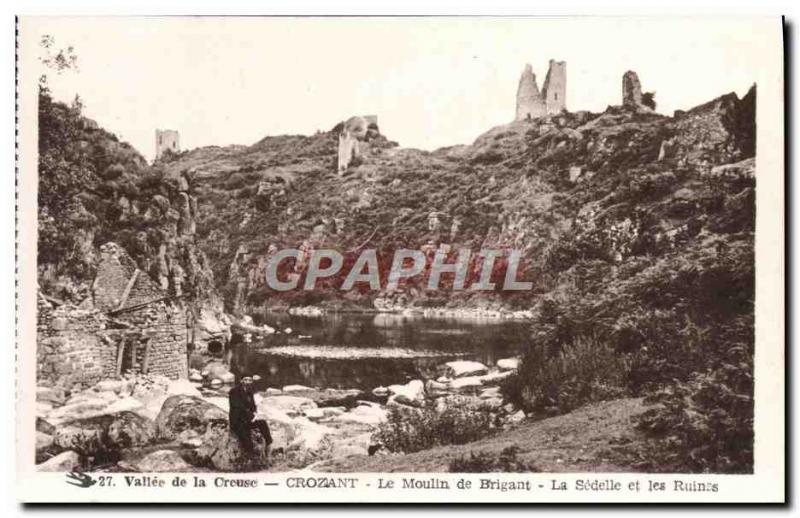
(128, 325)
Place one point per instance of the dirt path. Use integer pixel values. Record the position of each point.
(591, 438)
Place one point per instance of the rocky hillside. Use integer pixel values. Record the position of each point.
(566, 189)
(95, 189)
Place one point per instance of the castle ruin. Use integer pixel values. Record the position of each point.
(167, 140)
(531, 103)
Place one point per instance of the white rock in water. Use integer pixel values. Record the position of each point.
(288, 330)
(228, 378)
(494, 378)
(273, 391)
(380, 391)
(412, 393)
(296, 388)
(490, 393)
(466, 383)
(64, 461)
(216, 383)
(314, 414)
(508, 364)
(461, 368)
(517, 417)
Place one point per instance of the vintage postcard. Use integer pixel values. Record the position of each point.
(435, 259)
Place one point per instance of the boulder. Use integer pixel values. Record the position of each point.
(130, 430)
(221, 451)
(216, 370)
(127, 404)
(64, 461)
(462, 368)
(83, 409)
(495, 378)
(54, 396)
(273, 392)
(162, 461)
(508, 364)
(412, 393)
(490, 393)
(44, 426)
(380, 392)
(106, 434)
(467, 384)
(181, 413)
(516, 417)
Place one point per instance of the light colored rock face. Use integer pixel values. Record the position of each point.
(163, 461)
(461, 368)
(64, 461)
(412, 393)
(631, 90)
(508, 364)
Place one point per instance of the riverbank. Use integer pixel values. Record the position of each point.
(149, 423)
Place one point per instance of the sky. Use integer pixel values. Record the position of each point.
(432, 82)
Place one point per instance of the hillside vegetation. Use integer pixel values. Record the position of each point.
(636, 229)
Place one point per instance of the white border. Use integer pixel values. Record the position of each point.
(766, 485)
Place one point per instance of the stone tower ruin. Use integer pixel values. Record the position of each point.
(552, 99)
(554, 90)
(167, 140)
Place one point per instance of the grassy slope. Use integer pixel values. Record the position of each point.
(593, 438)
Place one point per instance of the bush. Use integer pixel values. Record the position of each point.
(557, 381)
(484, 462)
(705, 424)
(410, 430)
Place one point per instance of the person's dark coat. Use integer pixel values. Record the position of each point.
(242, 407)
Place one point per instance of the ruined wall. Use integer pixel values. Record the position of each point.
(71, 350)
(80, 346)
(554, 90)
(167, 140)
(529, 101)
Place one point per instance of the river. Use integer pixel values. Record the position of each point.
(351, 350)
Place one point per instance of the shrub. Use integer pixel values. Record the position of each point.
(555, 381)
(485, 462)
(412, 429)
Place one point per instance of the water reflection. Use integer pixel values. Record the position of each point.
(338, 350)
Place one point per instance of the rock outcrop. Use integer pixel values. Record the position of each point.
(180, 413)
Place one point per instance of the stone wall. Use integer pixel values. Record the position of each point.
(73, 349)
(130, 314)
